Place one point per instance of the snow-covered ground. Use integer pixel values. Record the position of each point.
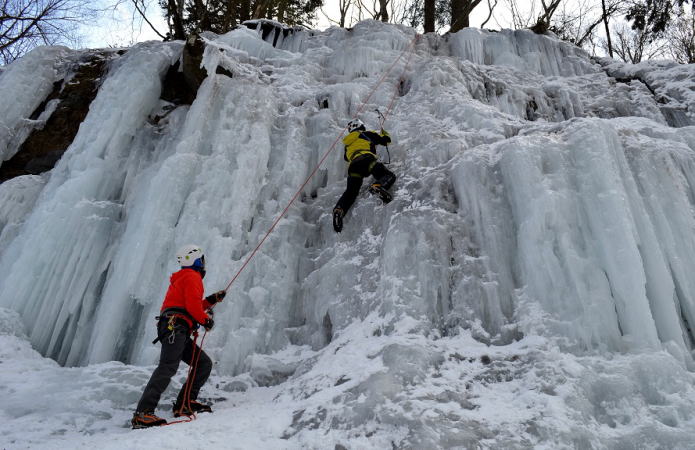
(529, 286)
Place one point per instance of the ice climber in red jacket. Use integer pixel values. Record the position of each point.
(184, 308)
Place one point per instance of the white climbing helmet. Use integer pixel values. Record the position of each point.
(355, 124)
(189, 254)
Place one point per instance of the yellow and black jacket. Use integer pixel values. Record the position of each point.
(360, 143)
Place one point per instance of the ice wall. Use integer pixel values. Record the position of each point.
(594, 239)
(537, 196)
(75, 220)
(128, 192)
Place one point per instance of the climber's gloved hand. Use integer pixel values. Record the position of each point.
(209, 323)
(216, 297)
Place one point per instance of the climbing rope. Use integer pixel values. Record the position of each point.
(190, 377)
(398, 90)
(408, 49)
(192, 368)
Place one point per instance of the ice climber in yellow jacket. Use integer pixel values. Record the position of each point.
(360, 153)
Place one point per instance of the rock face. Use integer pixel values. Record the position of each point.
(71, 99)
(193, 73)
(183, 79)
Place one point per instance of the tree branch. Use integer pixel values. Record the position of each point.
(142, 14)
(489, 16)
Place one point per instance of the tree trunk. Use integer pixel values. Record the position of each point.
(281, 11)
(203, 16)
(261, 9)
(543, 23)
(177, 20)
(456, 15)
(244, 13)
(383, 11)
(608, 31)
(429, 16)
(343, 7)
(460, 13)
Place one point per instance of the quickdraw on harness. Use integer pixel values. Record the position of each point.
(173, 314)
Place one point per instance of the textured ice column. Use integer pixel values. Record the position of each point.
(671, 85)
(663, 163)
(219, 156)
(487, 215)
(24, 84)
(583, 243)
(17, 198)
(522, 50)
(58, 263)
(368, 50)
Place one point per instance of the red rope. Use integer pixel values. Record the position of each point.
(325, 155)
(397, 90)
(192, 368)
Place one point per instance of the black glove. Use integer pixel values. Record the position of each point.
(216, 297)
(209, 323)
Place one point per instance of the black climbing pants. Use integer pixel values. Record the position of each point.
(174, 350)
(359, 169)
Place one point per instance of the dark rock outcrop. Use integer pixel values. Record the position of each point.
(45, 145)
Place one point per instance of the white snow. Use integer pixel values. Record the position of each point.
(528, 287)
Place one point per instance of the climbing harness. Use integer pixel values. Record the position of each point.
(173, 314)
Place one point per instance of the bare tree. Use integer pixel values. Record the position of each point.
(543, 22)
(578, 21)
(491, 7)
(140, 7)
(604, 18)
(383, 10)
(634, 46)
(522, 17)
(681, 38)
(25, 24)
(398, 12)
(344, 6)
(364, 10)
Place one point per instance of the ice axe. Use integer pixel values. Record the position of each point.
(382, 118)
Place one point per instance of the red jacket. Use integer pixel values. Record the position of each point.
(186, 291)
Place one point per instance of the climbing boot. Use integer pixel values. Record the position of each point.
(382, 193)
(338, 219)
(146, 419)
(194, 407)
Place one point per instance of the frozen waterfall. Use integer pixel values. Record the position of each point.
(543, 219)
